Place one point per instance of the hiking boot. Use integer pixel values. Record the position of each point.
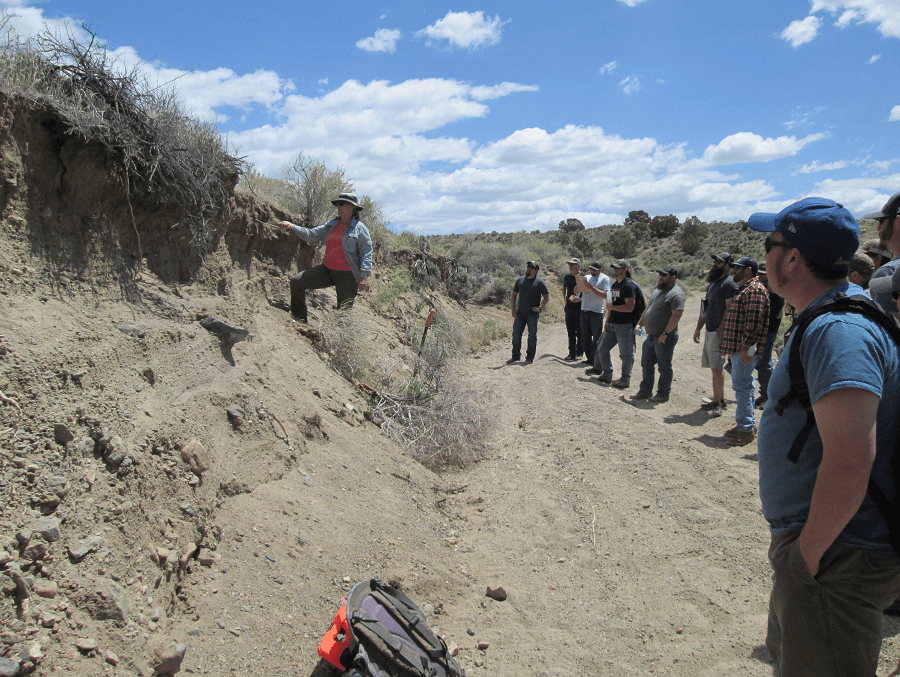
(660, 398)
(741, 437)
(760, 402)
(640, 395)
(717, 410)
(529, 361)
(601, 378)
(731, 432)
(622, 383)
(512, 360)
(570, 358)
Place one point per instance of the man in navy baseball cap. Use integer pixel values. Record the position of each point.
(819, 228)
(834, 563)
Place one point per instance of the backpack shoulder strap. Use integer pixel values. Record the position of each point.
(799, 391)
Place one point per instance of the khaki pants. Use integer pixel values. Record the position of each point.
(830, 625)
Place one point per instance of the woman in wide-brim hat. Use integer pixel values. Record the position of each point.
(348, 256)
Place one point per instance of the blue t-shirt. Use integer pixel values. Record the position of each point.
(839, 350)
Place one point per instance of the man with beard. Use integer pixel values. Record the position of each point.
(877, 252)
(712, 310)
(532, 295)
(889, 234)
(618, 328)
(660, 321)
(764, 364)
(572, 309)
(833, 562)
(744, 332)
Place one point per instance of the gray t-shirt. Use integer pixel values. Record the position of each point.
(662, 304)
(884, 299)
(591, 302)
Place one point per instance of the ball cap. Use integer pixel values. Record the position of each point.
(891, 208)
(668, 270)
(747, 262)
(880, 285)
(821, 229)
(724, 257)
(574, 259)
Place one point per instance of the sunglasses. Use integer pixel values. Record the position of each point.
(769, 243)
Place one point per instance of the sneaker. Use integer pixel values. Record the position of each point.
(529, 361)
(760, 402)
(622, 383)
(660, 398)
(601, 378)
(512, 360)
(741, 438)
(718, 410)
(708, 404)
(570, 358)
(640, 395)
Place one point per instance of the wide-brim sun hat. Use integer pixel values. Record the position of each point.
(349, 198)
(821, 229)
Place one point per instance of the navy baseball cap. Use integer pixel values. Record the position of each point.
(746, 262)
(821, 229)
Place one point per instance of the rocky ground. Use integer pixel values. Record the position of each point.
(172, 501)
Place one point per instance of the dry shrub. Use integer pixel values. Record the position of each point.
(160, 148)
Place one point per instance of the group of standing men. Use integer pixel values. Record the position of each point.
(825, 456)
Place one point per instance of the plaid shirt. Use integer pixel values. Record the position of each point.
(747, 318)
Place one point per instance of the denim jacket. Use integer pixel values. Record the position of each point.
(357, 243)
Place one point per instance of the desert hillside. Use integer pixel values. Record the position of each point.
(176, 501)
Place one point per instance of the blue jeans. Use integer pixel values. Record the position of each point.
(655, 354)
(623, 334)
(765, 364)
(742, 382)
(530, 318)
(591, 330)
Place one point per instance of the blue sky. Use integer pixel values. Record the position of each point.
(510, 116)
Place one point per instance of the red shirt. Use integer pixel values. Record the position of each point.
(335, 259)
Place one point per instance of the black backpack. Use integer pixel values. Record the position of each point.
(799, 392)
(389, 636)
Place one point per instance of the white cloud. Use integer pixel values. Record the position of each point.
(631, 3)
(895, 114)
(749, 147)
(861, 195)
(801, 31)
(874, 58)
(885, 14)
(609, 67)
(827, 167)
(631, 84)
(468, 30)
(384, 40)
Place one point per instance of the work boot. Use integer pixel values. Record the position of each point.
(602, 378)
(640, 395)
(760, 402)
(659, 398)
(570, 358)
(621, 383)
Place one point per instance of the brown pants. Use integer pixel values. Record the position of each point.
(319, 277)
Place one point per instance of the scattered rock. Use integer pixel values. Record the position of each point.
(46, 589)
(149, 375)
(62, 433)
(84, 547)
(36, 548)
(483, 646)
(189, 510)
(497, 593)
(136, 329)
(48, 527)
(196, 456)
(116, 451)
(167, 659)
(9, 668)
(236, 416)
(111, 658)
(85, 645)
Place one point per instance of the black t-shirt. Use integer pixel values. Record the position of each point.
(569, 283)
(619, 293)
(530, 292)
